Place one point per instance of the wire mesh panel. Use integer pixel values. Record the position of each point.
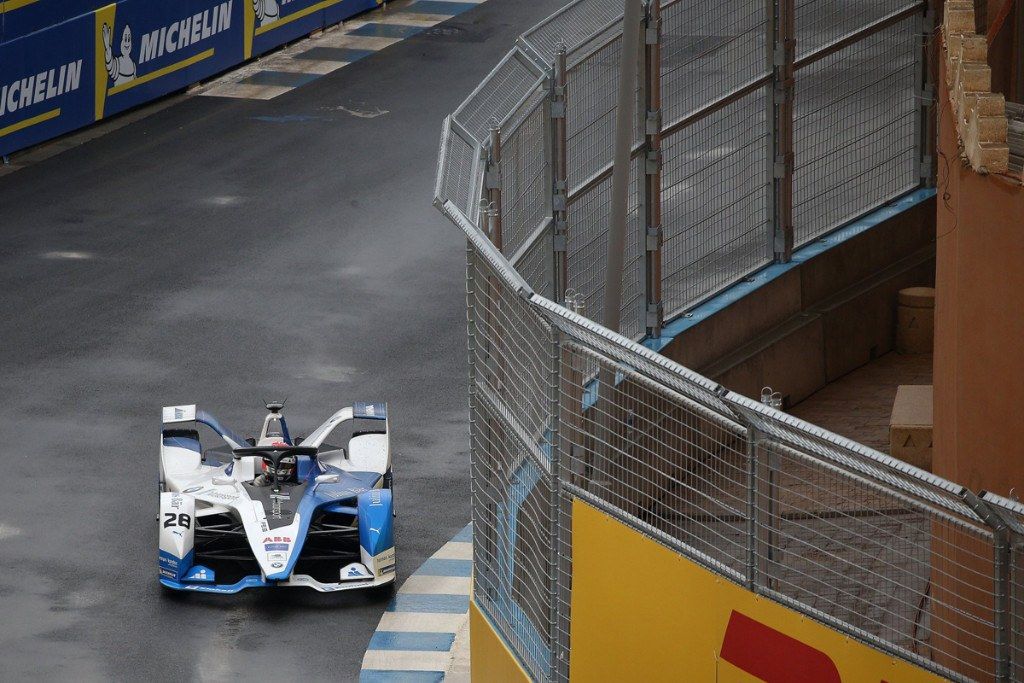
(819, 24)
(709, 54)
(589, 214)
(536, 261)
(455, 172)
(892, 553)
(525, 189)
(571, 26)
(500, 93)
(854, 130)
(592, 97)
(652, 456)
(883, 563)
(715, 210)
(510, 354)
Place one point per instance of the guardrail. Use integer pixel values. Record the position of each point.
(562, 408)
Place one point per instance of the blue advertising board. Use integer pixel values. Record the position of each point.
(46, 83)
(22, 17)
(111, 58)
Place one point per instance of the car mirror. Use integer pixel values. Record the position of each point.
(327, 479)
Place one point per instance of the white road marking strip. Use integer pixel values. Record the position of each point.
(406, 660)
(70, 256)
(445, 585)
(245, 91)
(455, 550)
(306, 66)
(8, 531)
(421, 622)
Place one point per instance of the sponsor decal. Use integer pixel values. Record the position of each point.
(179, 414)
(123, 66)
(375, 498)
(275, 546)
(277, 557)
(370, 411)
(45, 85)
(277, 539)
(199, 574)
(191, 489)
(277, 565)
(165, 572)
(771, 655)
(219, 495)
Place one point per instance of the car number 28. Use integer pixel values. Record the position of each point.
(175, 519)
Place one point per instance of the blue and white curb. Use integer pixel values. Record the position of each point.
(296, 65)
(424, 630)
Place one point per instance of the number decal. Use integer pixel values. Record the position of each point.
(177, 520)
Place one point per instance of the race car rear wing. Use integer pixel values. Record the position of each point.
(363, 411)
(185, 417)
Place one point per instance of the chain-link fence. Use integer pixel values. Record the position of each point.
(759, 127)
(562, 408)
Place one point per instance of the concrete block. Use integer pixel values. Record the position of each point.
(910, 426)
(791, 362)
(860, 322)
(866, 254)
(738, 323)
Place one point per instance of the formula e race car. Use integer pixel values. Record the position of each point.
(276, 511)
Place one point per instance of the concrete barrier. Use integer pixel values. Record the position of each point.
(797, 326)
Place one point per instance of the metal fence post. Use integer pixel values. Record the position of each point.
(1001, 582)
(559, 176)
(1002, 602)
(471, 352)
(781, 56)
(925, 129)
(655, 310)
(559, 654)
(753, 578)
(492, 184)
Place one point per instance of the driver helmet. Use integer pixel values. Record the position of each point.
(285, 469)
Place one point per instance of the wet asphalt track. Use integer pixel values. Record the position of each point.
(227, 259)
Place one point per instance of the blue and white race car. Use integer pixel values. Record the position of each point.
(277, 510)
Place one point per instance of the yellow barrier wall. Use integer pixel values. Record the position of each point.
(489, 659)
(643, 612)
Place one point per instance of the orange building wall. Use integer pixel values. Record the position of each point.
(979, 324)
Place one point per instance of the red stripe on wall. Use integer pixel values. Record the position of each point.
(773, 656)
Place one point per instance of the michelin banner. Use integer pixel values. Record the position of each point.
(69, 74)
